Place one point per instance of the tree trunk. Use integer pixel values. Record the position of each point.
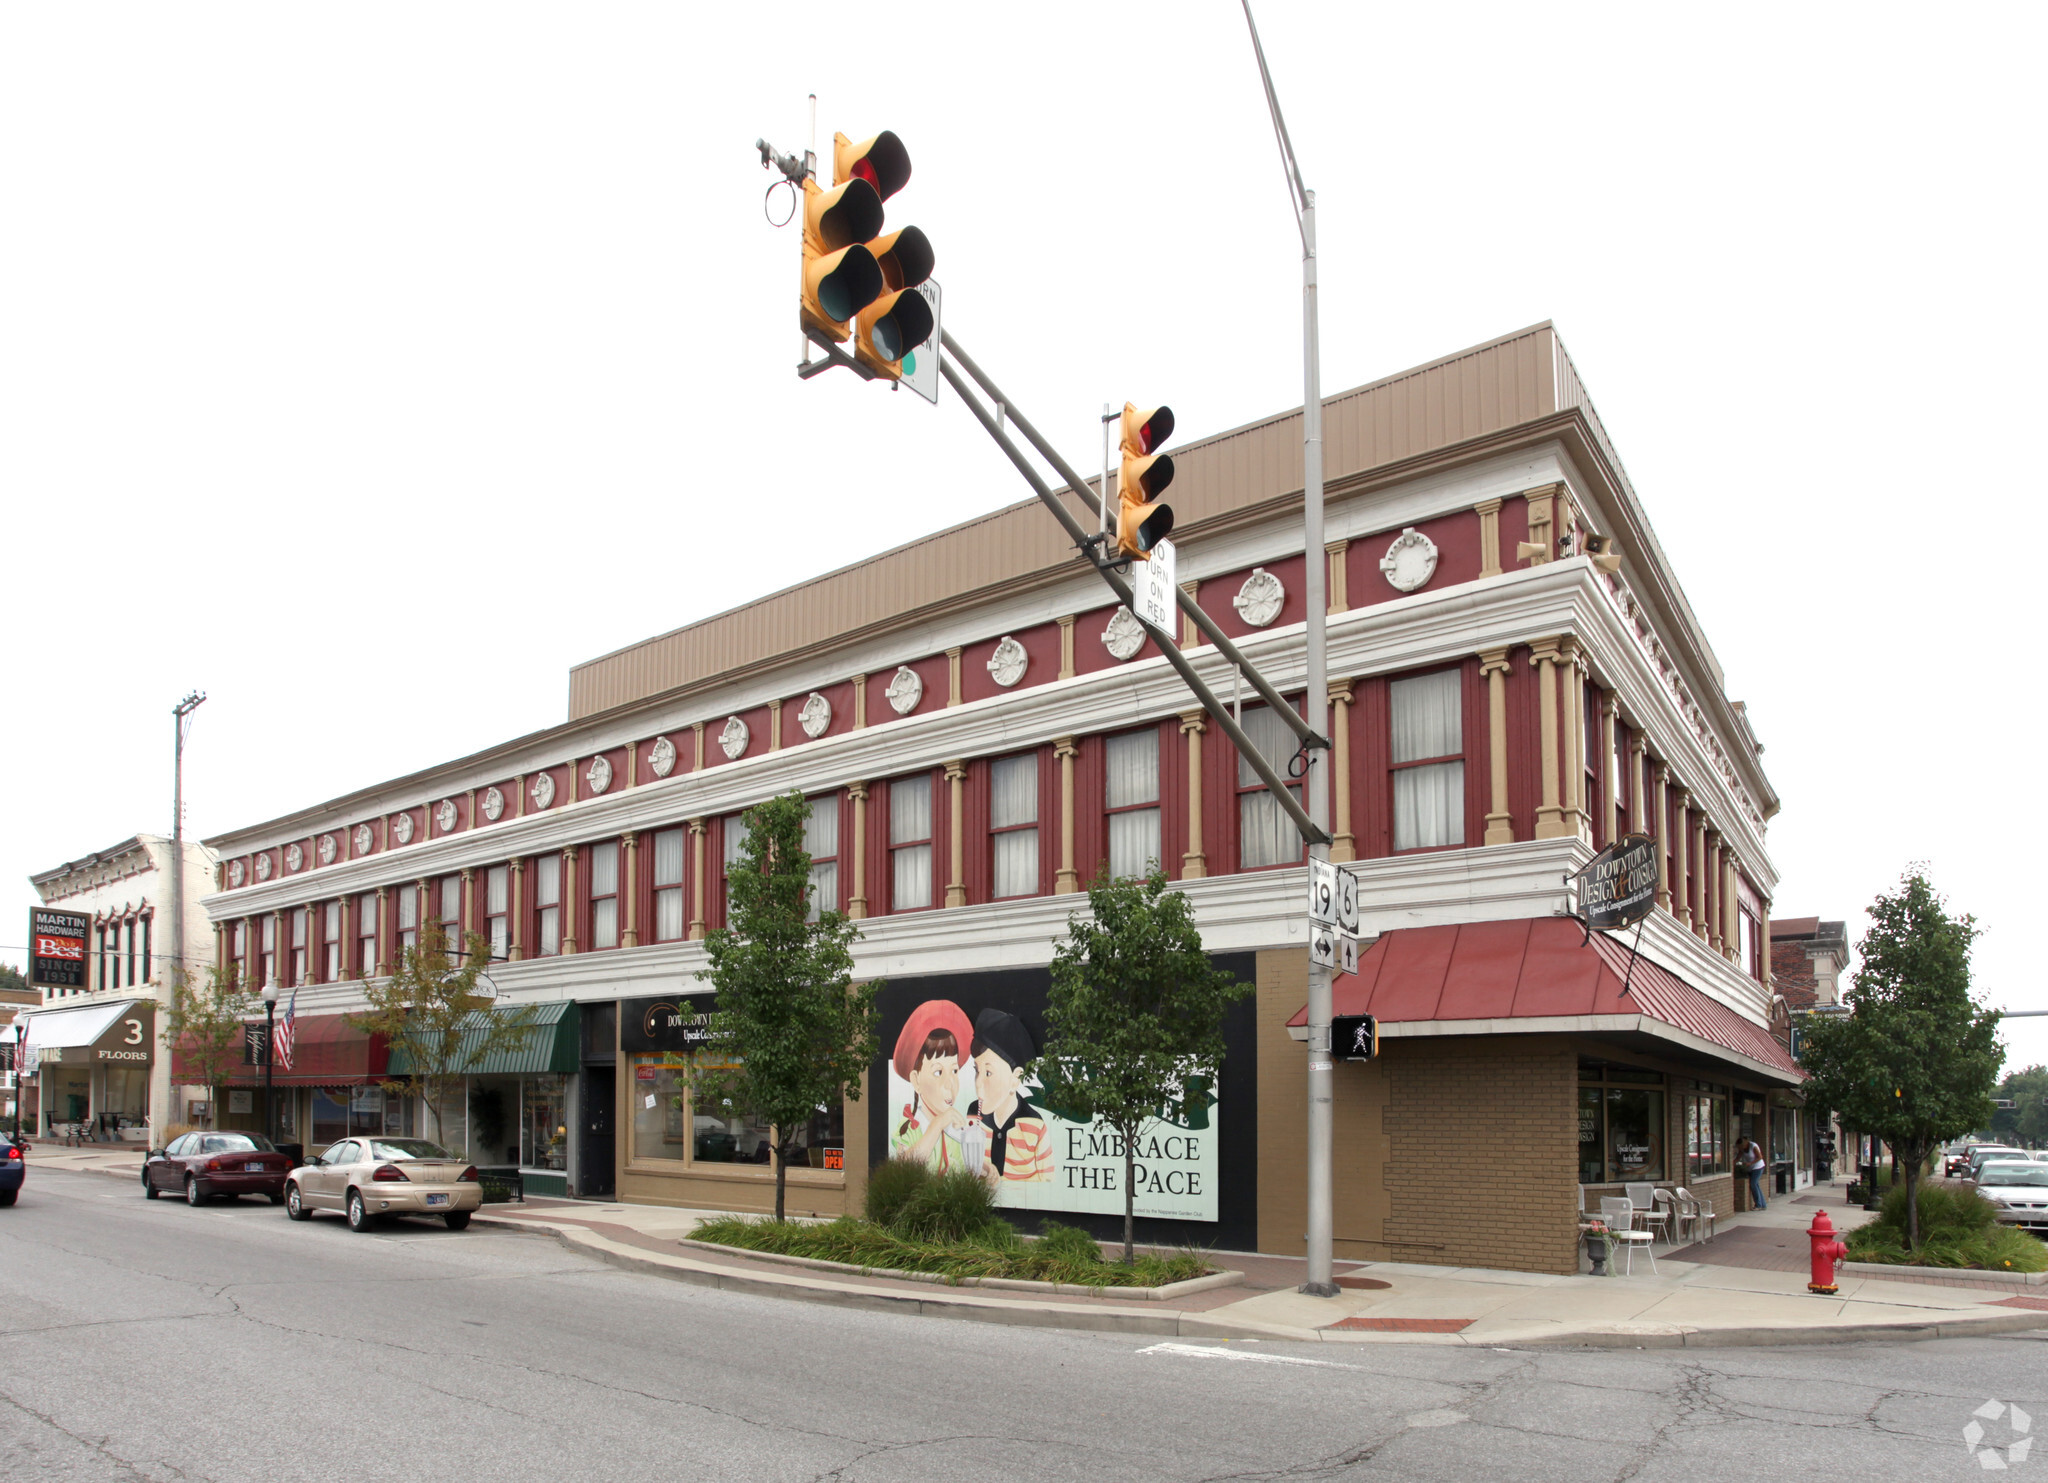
(1130, 1192)
(1912, 1194)
(781, 1181)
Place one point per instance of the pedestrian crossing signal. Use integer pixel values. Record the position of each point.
(1354, 1037)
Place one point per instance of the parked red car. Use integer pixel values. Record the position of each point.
(208, 1164)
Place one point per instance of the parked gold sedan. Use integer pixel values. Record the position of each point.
(369, 1178)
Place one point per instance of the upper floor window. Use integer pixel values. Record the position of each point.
(498, 910)
(134, 927)
(1752, 944)
(1591, 754)
(1013, 824)
(821, 843)
(451, 913)
(910, 843)
(408, 920)
(1265, 834)
(1428, 760)
(668, 885)
(269, 951)
(302, 941)
(366, 934)
(547, 905)
(604, 894)
(238, 952)
(331, 942)
(733, 836)
(1131, 799)
(110, 962)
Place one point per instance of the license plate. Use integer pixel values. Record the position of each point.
(437, 1199)
(253, 1168)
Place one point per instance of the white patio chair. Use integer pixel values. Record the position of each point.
(1698, 1213)
(1643, 1199)
(1676, 1226)
(1618, 1214)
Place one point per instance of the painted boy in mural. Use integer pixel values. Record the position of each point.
(930, 1056)
(1019, 1145)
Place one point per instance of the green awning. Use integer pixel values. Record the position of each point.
(553, 1044)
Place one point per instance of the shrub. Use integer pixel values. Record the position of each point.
(950, 1206)
(1957, 1230)
(1068, 1242)
(890, 1185)
(1942, 1207)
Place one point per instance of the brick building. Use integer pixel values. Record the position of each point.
(979, 732)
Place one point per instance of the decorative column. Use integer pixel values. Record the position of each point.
(1681, 874)
(629, 935)
(1066, 646)
(220, 951)
(519, 792)
(1550, 815)
(1194, 864)
(1067, 880)
(697, 746)
(860, 702)
(1638, 782)
(1539, 523)
(774, 725)
(1696, 883)
(383, 931)
(1666, 837)
(1500, 824)
(1489, 537)
(569, 902)
(632, 765)
(466, 910)
(956, 824)
(857, 903)
(516, 909)
(696, 827)
(1715, 877)
(1189, 634)
(1731, 906)
(1576, 804)
(1343, 842)
(1612, 825)
(953, 691)
(1339, 602)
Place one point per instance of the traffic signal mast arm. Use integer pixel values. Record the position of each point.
(1078, 487)
(1210, 703)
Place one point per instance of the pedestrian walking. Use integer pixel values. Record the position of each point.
(1749, 1158)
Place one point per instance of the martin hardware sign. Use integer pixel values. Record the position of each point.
(1619, 886)
(56, 956)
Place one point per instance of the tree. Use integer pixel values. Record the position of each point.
(436, 1023)
(1134, 1020)
(2025, 1123)
(207, 1023)
(11, 979)
(1915, 1060)
(791, 1032)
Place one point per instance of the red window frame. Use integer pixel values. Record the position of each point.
(366, 934)
(539, 913)
(593, 898)
(1240, 789)
(827, 804)
(301, 945)
(497, 911)
(407, 903)
(891, 844)
(330, 941)
(1035, 760)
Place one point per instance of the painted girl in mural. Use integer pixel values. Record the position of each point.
(1019, 1145)
(930, 1054)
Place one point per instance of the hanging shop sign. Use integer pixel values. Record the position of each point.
(56, 958)
(1618, 887)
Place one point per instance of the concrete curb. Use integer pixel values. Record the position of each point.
(1173, 1323)
(1006, 1284)
(1967, 1274)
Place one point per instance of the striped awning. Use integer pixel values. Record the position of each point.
(552, 1044)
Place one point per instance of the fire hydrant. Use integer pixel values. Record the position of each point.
(1826, 1252)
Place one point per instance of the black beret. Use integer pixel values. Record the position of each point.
(1002, 1032)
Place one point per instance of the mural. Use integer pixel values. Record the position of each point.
(963, 1095)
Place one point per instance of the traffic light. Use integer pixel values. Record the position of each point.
(1142, 522)
(895, 317)
(840, 274)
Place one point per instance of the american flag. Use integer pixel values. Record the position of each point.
(284, 1032)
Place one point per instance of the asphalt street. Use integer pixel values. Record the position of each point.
(146, 1340)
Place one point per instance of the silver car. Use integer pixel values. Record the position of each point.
(368, 1178)
(2018, 1191)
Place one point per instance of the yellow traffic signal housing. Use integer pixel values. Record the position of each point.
(1143, 521)
(840, 274)
(901, 318)
(882, 162)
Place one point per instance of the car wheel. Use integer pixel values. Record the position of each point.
(194, 1195)
(149, 1189)
(7, 1197)
(458, 1220)
(294, 1203)
(358, 1213)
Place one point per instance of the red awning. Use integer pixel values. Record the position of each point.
(1540, 975)
(327, 1051)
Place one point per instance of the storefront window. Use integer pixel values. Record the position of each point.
(544, 1135)
(330, 1116)
(1621, 1127)
(1706, 1131)
(723, 1135)
(658, 1118)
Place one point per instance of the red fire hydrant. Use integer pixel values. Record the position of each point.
(1826, 1252)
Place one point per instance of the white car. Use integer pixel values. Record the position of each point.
(2018, 1191)
(368, 1178)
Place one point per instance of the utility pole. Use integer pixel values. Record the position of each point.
(179, 713)
(1321, 1068)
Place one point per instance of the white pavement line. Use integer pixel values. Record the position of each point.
(1201, 1351)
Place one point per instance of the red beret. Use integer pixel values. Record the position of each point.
(933, 1014)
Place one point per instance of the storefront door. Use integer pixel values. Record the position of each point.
(596, 1155)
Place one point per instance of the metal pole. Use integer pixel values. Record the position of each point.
(1103, 489)
(179, 712)
(269, 1059)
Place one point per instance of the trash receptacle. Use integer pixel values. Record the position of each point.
(1783, 1180)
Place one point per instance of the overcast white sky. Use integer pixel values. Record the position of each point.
(368, 366)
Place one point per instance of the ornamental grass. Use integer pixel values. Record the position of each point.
(1957, 1230)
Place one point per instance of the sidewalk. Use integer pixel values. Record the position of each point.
(1738, 1290)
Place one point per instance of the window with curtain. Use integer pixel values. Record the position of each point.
(821, 843)
(1131, 799)
(1620, 770)
(269, 951)
(547, 905)
(498, 909)
(330, 941)
(1428, 760)
(910, 843)
(451, 913)
(733, 837)
(302, 932)
(1752, 944)
(1265, 835)
(604, 894)
(132, 979)
(408, 919)
(1589, 789)
(366, 934)
(1013, 824)
(668, 885)
(1705, 1111)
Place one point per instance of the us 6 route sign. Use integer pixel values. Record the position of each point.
(1332, 896)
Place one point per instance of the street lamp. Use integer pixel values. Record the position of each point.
(269, 1059)
(20, 1039)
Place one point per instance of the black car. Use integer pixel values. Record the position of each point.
(12, 1167)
